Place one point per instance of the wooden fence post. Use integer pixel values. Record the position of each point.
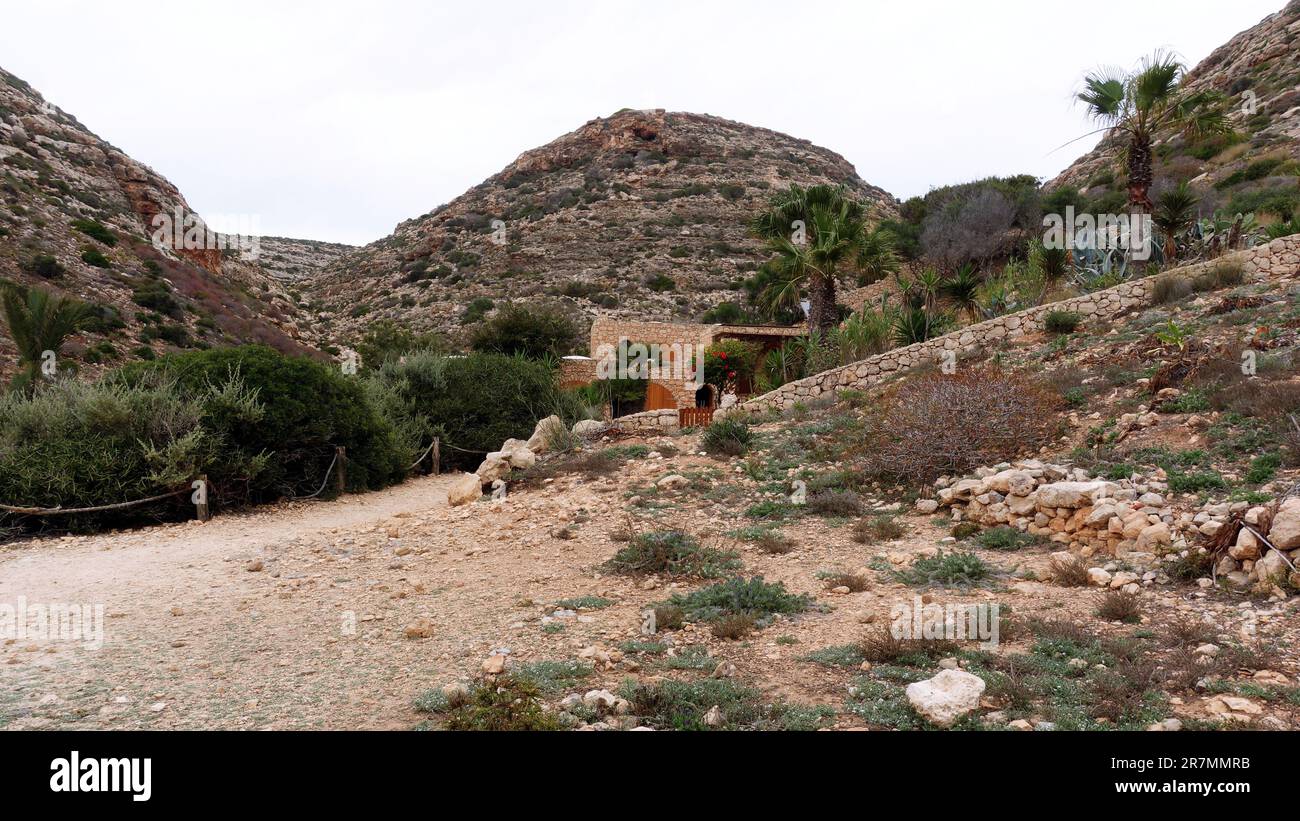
(437, 456)
(202, 510)
(341, 472)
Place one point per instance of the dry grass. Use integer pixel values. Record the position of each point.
(883, 528)
(733, 628)
(881, 646)
(774, 543)
(855, 583)
(1072, 573)
(1117, 605)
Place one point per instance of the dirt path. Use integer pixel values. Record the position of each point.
(185, 616)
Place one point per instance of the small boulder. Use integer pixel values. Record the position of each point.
(1285, 531)
(467, 488)
(946, 697)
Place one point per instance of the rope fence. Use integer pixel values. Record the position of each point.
(60, 510)
(200, 487)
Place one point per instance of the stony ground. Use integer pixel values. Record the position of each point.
(341, 614)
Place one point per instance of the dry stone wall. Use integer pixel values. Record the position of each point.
(1279, 258)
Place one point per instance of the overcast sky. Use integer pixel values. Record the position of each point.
(336, 121)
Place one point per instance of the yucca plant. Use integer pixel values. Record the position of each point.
(962, 290)
(38, 321)
(1139, 105)
(1175, 213)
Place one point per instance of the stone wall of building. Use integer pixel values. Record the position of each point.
(577, 371)
(1279, 258)
(680, 339)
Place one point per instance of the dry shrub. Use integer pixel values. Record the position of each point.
(939, 424)
(855, 583)
(1118, 694)
(885, 528)
(1189, 633)
(1072, 573)
(1059, 630)
(881, 646)
(828, 502)
(669, 617)
(1117, 605)
(733, 628)
(774, 543)
(1169, 288)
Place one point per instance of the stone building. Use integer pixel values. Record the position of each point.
(672, 386)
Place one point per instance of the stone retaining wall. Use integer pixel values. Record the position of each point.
(655, 421)
(1279, 258)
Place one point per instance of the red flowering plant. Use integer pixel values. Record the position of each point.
(730, 363)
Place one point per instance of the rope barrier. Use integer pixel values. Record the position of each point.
(324, 481)
(417, 462)
(56, 511)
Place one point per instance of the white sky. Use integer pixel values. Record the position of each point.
(335, 121)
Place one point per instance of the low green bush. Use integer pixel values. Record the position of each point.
(473, 403)
(1062, 322)
(730, 437)
(737, 596)
(308, 408)
(76, 444)
(671, 552)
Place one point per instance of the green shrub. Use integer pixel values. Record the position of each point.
(1062, 322)
(509, 704)
(46, 267)
(473, 403)
(534, 333)
(671, 552)
(385, 339)
(731, 437)
(730, 361)
(95, 257)
(308, 409)
(752, 597)
(949, 569)
(76, 444)
(1005, 538)
(95, 231)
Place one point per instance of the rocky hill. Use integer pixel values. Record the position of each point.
(641, 214)
(76, 217)
(1255, 169)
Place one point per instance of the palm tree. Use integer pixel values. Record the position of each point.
(815, 234)
(1174, 214)
(1140, 105)
(38, 321)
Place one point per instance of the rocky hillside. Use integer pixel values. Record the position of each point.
(1255, 169)
(642, 214)
(295, 260)
(75, 217)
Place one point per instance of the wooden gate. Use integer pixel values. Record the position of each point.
(694, 417)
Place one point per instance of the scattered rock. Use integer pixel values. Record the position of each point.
(946, 697)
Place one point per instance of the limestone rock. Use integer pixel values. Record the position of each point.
(946, 697)
(466, 489)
